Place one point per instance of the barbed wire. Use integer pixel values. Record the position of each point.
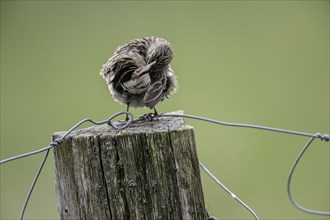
(149, 117)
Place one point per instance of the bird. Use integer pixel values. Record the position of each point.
(139, 73)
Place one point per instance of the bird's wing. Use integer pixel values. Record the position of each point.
(154, 93)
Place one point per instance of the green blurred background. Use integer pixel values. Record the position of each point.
(257, 62)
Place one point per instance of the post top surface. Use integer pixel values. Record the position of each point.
(162, 124)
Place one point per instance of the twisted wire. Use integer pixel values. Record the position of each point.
(150, 117)
(58, 141)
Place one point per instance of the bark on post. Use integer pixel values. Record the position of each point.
(147, 171)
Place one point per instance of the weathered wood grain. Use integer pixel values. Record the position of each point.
(147, 171)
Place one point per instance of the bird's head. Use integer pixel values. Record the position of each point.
(161, 52)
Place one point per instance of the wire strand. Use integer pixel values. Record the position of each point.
(228, 191)
(33, 184)
(293, 201)
(26, 154)
(324, 137)
(58, 141)
(149, 117)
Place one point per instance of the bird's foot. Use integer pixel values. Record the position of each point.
(150, 116)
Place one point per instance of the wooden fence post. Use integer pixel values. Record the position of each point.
(147, 171)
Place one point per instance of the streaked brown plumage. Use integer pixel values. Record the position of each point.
(139, 73)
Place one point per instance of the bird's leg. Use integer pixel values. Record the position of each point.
(155, 112)
(127, 108)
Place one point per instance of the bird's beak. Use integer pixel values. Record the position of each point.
(145, 69)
